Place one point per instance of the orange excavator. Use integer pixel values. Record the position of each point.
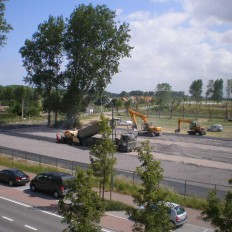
(194, 127)
(148, 129)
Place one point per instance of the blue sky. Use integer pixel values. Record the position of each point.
(175, 41)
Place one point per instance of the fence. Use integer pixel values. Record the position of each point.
(181, 186)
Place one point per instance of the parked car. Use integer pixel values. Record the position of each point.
(51, 182)
(177, 213)
(14, 176)
(215, 128)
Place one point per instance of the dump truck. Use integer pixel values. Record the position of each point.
(89, 136)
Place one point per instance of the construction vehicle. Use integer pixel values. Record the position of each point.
(88, 136)
(148, 129)
(194, 127)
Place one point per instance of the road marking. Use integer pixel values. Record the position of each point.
(9, 219)
(116, 216)
(47, 212)
(30, 227)
(205, 230)
(16, 202)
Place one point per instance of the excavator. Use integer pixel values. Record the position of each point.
(148, 129)
(194, 127)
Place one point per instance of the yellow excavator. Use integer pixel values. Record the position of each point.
(194, 127)
(148, 129)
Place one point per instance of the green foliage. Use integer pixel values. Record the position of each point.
(115, 206)
(101, 155)
(195, 90)
(220, 217)
(85, 207)
(4, 26)
(150, 173)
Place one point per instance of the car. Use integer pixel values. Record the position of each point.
(55, 183)
(215, 128)
(125, 123)
(177, 213)
(14, 176)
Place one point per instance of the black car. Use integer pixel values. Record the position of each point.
(51, 182)
(14, 176)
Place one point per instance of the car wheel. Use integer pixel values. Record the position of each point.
(11, 183)
(33, 188)
(56, 194)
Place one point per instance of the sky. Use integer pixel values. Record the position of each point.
(175, 41)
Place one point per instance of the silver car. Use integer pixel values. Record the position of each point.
(177, 213)
(216, 128)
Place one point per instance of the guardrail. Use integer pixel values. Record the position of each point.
(181, 186)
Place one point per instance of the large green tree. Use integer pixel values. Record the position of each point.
(218, 215)
(217, 93)
(150, 173)
(42, 58)
(81, 207)
(94, 43)
(4, 26)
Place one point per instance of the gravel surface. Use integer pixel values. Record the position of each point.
(195, 158)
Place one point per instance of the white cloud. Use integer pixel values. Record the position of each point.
(176, 48)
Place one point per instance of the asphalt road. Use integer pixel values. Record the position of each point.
(197, 158)
(23, 210)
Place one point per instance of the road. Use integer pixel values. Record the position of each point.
(201, 159)
(22, 210)
(197, 158)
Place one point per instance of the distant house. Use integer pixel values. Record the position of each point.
(3, 109)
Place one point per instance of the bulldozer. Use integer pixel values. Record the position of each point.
(194, 127)
(148, 129)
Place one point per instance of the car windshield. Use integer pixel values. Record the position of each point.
(179, 210)
(19, 173)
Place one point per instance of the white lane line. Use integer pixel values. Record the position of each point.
(116, 216)
(16, 202)
(9, 219)
(30, 227)
(205, 230)
(52, 214)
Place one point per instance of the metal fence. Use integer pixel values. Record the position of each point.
(181, 186)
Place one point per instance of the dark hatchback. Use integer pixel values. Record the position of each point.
(55, 183)
(14, 176)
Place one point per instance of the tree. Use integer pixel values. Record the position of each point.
(150, 173)
(101, 155)
(217, 93)
(228, 94)
(195, 90)
(162, 95)
(221, 218)
(4, 26)
(94, 43)
(42, 57)
(117, 102)
(85, 207)
(209, 90)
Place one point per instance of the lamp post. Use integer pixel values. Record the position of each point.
(112, 138)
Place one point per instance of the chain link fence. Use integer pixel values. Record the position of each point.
(181, 186)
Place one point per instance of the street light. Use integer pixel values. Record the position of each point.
(106, 101)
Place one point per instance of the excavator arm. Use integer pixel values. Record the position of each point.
(135, 114)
